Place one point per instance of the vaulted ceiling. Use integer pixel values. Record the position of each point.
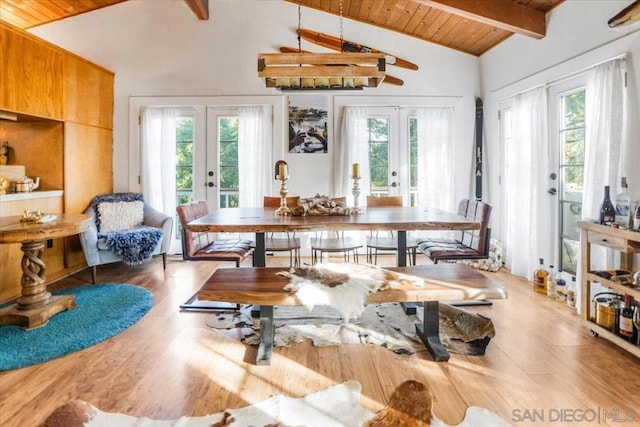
(471, 26)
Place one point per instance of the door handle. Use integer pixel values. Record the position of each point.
(394, 184)
(552, 191)
(211, 184)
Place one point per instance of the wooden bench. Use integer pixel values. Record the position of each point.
(262, 286)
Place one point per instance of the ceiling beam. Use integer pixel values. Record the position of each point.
(200, 8)
(503, 14)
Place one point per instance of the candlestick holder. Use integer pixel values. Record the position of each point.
(283, 210)
(355, 190)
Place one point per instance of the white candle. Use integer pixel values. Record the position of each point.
(355, 170)
(282, 170)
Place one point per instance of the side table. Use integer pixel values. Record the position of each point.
(36, 305)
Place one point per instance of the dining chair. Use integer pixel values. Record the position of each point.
(200, 246)
(387, 242)
(465, 244)
(322, 244)
(290, 243)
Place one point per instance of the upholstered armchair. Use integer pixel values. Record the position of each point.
(124, 228)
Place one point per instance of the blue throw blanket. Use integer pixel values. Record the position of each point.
(136, 245)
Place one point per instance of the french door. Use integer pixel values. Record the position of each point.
(567, 143)
(221, 173)
(559, 202)
(392, 152)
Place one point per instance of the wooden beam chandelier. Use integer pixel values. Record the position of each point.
(305, 71)
(325, 71)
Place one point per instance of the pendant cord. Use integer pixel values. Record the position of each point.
(341, 30)
(299, 39)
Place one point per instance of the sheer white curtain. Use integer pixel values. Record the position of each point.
(526, 167)
(351, 147)
(605, 118)
(605, 115)
(254, 154)
(158, 148)
(436, 182)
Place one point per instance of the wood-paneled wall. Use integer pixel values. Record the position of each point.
(88, 93)
(64, 135)
(31, 72)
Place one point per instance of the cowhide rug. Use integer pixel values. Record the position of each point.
(410, 405)
(343, 286)
(386, 325)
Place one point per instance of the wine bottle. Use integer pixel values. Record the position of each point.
(623, 205)
(627, 329)
(561, 287)
(551, 283)
(607, 212)
(540, 278)
(636, 218)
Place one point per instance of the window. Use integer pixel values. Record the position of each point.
(184, 164)
(571, 134)
(378, 131)
(228, 161)
(184, 160)
(413, 161)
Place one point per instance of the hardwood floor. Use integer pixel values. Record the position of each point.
(542, 364)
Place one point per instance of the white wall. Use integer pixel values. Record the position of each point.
(159, 48)
(577, 38)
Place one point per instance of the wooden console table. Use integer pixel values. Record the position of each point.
(36, 305)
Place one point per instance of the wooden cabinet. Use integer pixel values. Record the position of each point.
(88, 93)
(88, 164)
(64, 134)
(32, 74)
(627, 242)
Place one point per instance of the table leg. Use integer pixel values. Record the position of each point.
(402, 249)
(259, 260)
(35, 305)
(260, 254)
(429, 331)
(267, 332)
(401, 261)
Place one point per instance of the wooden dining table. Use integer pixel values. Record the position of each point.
(264, 220)
(396, 219)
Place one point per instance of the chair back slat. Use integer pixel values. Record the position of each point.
(382, 201)
(192, 241)
(274, 202)
(476, 211)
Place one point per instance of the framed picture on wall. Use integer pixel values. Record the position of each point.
(308, 116)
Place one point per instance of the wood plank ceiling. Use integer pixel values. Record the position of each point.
(471, 26)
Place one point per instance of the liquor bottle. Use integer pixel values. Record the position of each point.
(627, 329)
(607, 213)
(561, 287)
(551, 283)
(540, 279)
(623, 205)
(571, 293)
(636, 218)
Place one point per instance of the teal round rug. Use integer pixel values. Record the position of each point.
(103, 311)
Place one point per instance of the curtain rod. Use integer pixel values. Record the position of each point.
(563, 78)
(565, 61)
